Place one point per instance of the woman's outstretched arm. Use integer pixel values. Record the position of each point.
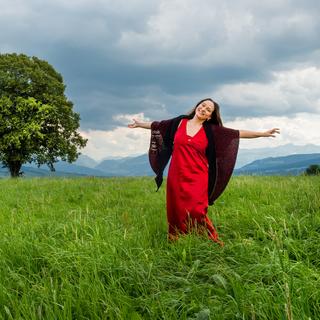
(139, 124)
(259, 134)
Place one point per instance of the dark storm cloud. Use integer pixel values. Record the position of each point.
(102, 88)
(161, 57)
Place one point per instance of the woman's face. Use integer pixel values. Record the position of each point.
(204, 110)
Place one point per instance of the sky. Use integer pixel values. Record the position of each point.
(154, 60)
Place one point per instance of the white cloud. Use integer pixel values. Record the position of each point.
(120, 142)
(127, 118)
(289, 92)
(301, 129)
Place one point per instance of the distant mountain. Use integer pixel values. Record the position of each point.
(62, 168)
(131, 166)
(86, 161)
(246, 156)
(139, 166)
(288, 165)
(33, 171)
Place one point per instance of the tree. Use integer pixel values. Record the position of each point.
(37, 123)
(312, 170)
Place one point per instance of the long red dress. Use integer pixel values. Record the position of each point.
(187, 184)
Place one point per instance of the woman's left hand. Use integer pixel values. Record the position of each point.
(271, 132)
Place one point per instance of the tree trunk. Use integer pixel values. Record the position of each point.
(14, 168)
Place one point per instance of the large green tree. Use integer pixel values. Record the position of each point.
(37, 121)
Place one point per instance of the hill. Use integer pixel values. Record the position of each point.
(139, 166)
(130, 166)
(246, 156)
(288, 165)
(90, 248)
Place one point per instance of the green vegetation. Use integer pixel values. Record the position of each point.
(313, 170)
(93, 248)
(37, 123)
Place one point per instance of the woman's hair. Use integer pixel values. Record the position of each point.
(215, 117)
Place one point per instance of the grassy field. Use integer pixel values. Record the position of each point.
(93, 248)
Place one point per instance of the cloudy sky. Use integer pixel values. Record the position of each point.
(154, 59)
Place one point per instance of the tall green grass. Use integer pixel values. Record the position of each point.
(93, 248)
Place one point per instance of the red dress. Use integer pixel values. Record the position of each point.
(187, 184)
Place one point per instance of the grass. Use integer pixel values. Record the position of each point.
(93, 248)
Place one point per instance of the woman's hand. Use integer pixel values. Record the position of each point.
(135, 124)
(139, 124)
(258, 134)
(272, 132)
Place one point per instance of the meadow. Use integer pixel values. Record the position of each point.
(93, 248)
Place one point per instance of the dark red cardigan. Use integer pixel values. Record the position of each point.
(221, 152)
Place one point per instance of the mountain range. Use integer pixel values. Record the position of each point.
(288, 165)
(286, 159)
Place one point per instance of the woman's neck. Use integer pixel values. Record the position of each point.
(196, 121)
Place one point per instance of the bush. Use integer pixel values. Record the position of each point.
(313, 170)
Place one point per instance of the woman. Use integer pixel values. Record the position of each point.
(203, 157)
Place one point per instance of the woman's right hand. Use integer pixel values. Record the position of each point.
(139, 124)
(135, 124)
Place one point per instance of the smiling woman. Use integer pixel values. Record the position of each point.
(203, 157)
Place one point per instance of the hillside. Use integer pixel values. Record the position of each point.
(91, 248)
(130, 166)
(246, 156)
(139, 166)
(288, 165)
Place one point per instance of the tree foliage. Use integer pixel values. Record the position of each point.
(37, 121)
(312, 170)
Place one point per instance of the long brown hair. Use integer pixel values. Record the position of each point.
(215, 117)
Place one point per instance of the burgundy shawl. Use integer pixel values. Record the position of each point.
(221, 152)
